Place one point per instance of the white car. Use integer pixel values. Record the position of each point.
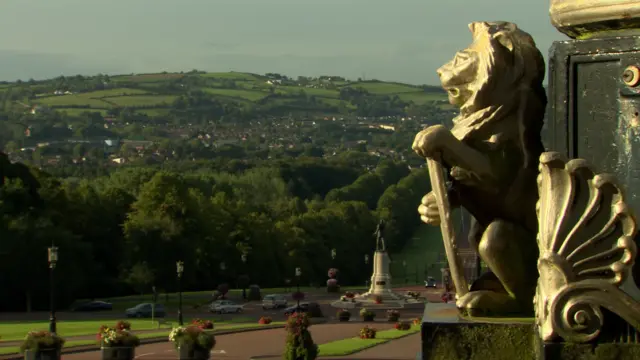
(274, 302)
(225, 307)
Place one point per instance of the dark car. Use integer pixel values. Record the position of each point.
(430, 282)
(313, 309)
(94, 306)
(145, 311)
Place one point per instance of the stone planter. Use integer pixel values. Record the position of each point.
(118, 353)
(44, 354)
(368, 318)
(344, 317)
(193, 353)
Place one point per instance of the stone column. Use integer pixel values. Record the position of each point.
(594, 88)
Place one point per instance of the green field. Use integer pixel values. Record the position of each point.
(79, 111)
(250, 95)
(72, 100)
(421, 97)
(111, 92)
(142, 100)
(384, 88)
(147, 77)
(231, 76)
(355, 344)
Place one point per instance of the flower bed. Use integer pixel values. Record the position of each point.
(368, 333)
(265, 320)
(202, 324)
(192, 342)
(344, 315)
(41, 341)
(367, 315)
(118, 336)
(403, 325)
(393, 315)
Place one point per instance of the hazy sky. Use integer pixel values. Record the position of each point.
(401, 40)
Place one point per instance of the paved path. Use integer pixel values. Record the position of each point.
(242, 346)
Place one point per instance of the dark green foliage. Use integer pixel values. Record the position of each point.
(41, 340)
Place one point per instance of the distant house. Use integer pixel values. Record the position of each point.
(119, 160)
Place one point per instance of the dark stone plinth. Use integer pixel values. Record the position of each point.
(593, 113)
(448, 336)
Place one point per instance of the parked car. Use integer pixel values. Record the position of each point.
(313, 309)
(274, 302)
(94, 306)
(430, 282)
(225, 307)
(145, 311)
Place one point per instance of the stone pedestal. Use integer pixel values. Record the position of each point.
(381, 281)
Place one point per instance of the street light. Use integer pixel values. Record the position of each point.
(298, 274)
(180, 270)
(53, 259)
(366, 259)
(243, 257)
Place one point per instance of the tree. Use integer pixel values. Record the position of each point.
(140, 277)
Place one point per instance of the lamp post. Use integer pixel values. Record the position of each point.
(53, 259)
(298, 274)
(180, 270)
(243, 257)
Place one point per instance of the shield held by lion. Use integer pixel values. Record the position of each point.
(491, 155)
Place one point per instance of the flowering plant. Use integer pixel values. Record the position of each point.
(41, 340)
(403, 325)
(203, 324)
(299, 342)
(349, 294)
(345, 298)
(417, 321)
(393, 315)
(368, 333)
(367, 315)
(413, 294)
(344, 314)
(265, 320)
(192, 337)
(118, 336)
(333, 272)
(377, 299)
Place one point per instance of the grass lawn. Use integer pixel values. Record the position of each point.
(353, 345)
(112, 92)
(150, 335)
(13, 331)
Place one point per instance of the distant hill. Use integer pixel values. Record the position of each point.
(156, 94)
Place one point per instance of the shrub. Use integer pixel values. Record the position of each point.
(192, 337)
(367, 315)
(368, 333)
(299, 344)
(265, 320)
(393, 315)
(203, 324)
(403, 325)
(417, 321)
(413, 294)
(344, 315)
(349, 295)
(41, 340)
(118, 336)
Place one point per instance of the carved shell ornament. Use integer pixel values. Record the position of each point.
(586, 240)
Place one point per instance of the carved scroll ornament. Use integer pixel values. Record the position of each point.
(587, 248)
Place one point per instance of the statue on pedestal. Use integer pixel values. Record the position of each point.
(380, 245)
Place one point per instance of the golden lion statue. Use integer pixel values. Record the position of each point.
(491, 155)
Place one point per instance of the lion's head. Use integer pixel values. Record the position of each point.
(501, 68)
